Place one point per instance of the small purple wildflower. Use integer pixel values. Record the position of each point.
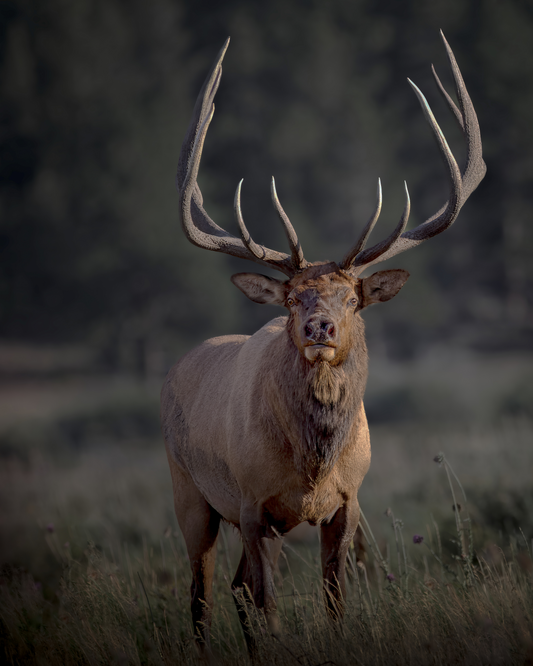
(391, 578)
(417, 538)
(50, 528)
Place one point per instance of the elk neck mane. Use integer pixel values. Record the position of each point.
(317, 404)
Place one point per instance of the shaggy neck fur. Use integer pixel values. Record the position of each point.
(327, 383)
(320, 402)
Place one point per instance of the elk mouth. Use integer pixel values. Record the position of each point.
(319, 352)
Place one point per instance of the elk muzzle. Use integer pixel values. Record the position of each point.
(319, 335)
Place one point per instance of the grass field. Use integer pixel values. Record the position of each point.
(93, 569)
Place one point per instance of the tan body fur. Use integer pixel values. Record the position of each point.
(231, 456)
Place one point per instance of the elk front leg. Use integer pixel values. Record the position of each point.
(242, 587)
(257, 566)
(336, 537)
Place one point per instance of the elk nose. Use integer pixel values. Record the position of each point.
(319, 330)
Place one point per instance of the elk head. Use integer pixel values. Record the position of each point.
(322, 301)
(323, 298)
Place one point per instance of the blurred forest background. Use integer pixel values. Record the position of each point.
(100, 293)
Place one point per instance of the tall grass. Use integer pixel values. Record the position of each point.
(412, 599)
(102, 615)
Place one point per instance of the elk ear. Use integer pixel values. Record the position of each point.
(382, 286)
(260, 288)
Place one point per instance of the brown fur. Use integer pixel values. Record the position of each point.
(326, 384)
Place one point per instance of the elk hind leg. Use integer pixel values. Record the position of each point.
(199, 523)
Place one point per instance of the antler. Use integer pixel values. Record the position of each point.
(198, 226)
(463, 183)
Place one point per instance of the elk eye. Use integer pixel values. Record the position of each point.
(352, 301)
(290, 302)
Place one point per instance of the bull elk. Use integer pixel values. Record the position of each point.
(268, 431)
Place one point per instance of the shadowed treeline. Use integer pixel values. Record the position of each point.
(96, 98)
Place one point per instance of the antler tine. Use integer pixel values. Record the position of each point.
(449, 100)
(255, 249)
(463, 182)
(453, 205)
(199, 228)
(361, 242)
(296, 249)
(475, 168)
(364, 258)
